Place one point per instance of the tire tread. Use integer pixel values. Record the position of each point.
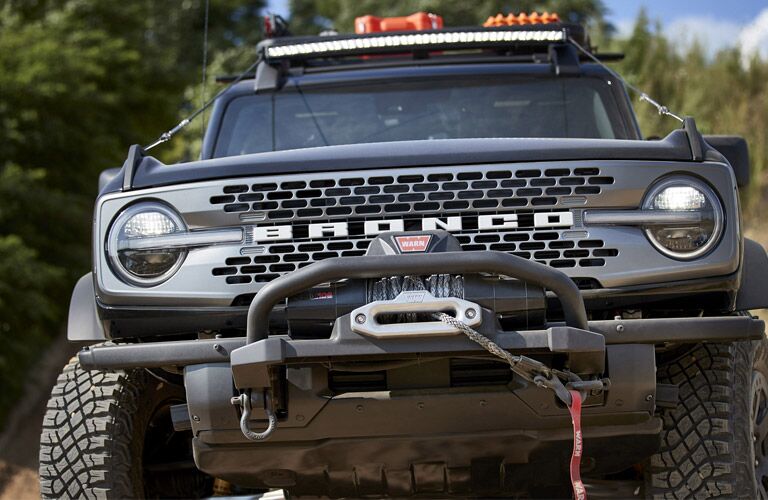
(705, 441)
(85, 445)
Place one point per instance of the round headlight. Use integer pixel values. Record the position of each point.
(694, 219)
(136, 248)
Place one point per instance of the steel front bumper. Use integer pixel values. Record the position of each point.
(252, 356)
(261, 364)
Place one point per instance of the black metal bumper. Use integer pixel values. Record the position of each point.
(252, 356)
(193, 352)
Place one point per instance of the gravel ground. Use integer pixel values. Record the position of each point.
(19, 441)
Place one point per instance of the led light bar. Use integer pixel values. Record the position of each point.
(640, 217)
(184, 240)
(404, 42)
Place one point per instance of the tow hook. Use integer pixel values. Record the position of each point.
(245, 403)
(554, 383)
(563, 391)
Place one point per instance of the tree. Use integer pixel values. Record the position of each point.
(81, 80)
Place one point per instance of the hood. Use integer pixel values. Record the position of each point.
(150, 172)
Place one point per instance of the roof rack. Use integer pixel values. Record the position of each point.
(503, 37)
(603, 56)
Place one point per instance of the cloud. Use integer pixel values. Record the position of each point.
(713, 34)
(753, 39)
(710, 33)
(624, 27)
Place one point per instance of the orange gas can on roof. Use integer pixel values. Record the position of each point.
(415, 22)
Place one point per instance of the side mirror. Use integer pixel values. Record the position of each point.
(735, 150)
(106, 176)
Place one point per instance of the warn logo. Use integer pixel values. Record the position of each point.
(418, 243)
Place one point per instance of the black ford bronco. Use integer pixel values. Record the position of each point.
(433, 263)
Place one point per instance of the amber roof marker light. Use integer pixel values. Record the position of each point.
(521, 19)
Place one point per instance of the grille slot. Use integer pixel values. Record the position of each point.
(339, 381)
(479, 372)
(463, 373)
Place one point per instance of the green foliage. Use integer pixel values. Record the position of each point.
(81, 80)
(29, 313)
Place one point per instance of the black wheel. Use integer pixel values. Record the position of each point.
(108, 434)
(759, 419)
(715, 443)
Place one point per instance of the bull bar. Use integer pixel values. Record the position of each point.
(251, 356)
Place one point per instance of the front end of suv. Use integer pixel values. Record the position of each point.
(287, 284)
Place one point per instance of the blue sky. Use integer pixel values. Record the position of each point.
(715, 24)
(740, 11)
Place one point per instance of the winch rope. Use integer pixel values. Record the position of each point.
(525, 367)
(205, 66)
(663, 110)
(168, 135)
(483, 341)
(439, 285)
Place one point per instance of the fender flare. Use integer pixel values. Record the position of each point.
(754, 275)
(84, 324)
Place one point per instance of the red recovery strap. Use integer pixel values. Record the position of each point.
(579, 492)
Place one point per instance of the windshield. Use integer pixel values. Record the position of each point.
(446, 108)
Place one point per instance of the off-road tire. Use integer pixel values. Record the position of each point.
(93, 435)
(707, 448)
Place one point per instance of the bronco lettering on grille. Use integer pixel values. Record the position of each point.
(260, 234)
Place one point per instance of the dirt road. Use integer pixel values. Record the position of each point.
(19, 441)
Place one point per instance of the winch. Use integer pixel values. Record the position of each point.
(311, 314)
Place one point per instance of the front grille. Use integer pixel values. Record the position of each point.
(355, 198)
(403, 194)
